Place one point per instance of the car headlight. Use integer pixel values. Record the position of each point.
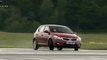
(57, 37)
(79, 39)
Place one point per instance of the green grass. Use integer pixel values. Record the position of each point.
(94, 41)
(24, 40)
(17, 40)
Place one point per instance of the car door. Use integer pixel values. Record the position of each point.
(45, 35)
(39, 35)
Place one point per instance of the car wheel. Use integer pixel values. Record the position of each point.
(50, 44)
(35, 45)
(59, 48)
(76, 48)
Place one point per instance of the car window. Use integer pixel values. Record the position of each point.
(41, 29)
(58, 29)
(46, 28)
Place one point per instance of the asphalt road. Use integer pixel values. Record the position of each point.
(45, 54)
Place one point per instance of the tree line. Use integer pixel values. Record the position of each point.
(79, 15)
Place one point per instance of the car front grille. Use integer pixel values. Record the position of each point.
(66, 39)
(69, 39)
(73, 39)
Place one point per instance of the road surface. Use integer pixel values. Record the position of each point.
(45, 54)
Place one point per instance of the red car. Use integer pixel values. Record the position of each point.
(58, 36)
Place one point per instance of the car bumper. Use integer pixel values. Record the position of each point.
(63, 43)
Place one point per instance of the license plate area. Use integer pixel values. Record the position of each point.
(70, 42)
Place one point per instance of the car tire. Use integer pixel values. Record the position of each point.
(50, 44)
(35, 44)
(59, 48)
(76, 49)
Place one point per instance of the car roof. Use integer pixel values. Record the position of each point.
(52, 25)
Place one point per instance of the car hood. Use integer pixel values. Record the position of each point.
(65, 35)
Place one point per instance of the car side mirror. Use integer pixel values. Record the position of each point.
(46, 31)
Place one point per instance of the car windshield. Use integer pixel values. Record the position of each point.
(60, 29)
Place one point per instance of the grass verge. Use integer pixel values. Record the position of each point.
(94, 41)
(15, 40)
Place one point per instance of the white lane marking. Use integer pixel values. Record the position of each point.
(3, 59)
(1, 50)
(68, 59)
(34, 58)
(54, 53)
